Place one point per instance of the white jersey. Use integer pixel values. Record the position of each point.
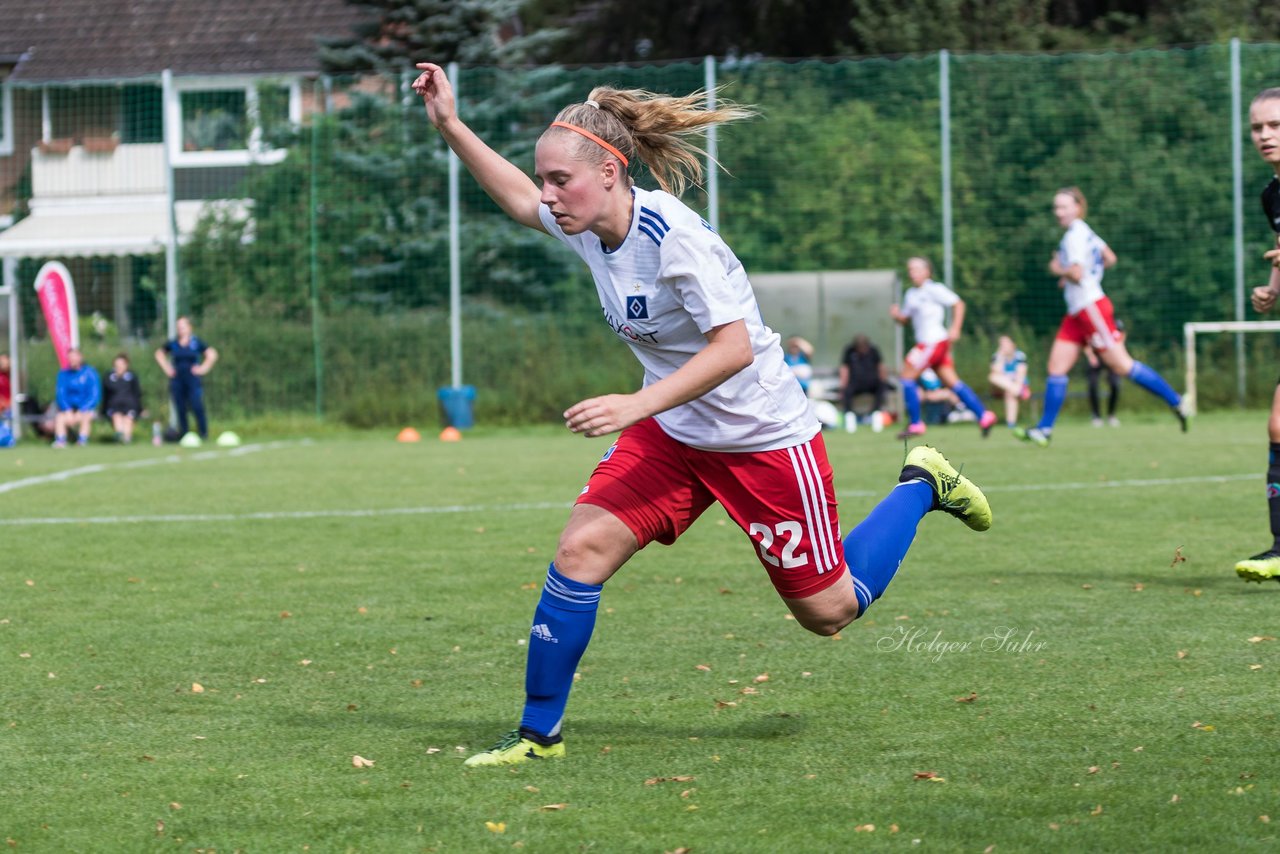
(1081, 246)
(926, 304)
(672, 280)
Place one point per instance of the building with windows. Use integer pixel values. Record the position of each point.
(121, 119)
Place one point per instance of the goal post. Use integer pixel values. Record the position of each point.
(1191, 330)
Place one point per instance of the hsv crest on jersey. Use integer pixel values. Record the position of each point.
(637, 308)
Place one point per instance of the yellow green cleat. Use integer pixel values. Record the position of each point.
(957, 495)
(514, 749)
(1261, 567)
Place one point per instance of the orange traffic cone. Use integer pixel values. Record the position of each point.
(408, 434)
(450, 434)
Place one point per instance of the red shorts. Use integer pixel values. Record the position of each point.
(1094, 326)
(935, 355)
(784, 500)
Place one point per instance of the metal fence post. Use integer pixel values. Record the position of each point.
(944, 115)
(713, 177)
(1237, 211)
(455, 252)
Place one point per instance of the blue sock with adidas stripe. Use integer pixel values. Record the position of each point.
(562, 626)
(911, 397)
(971, 400)
(874, 550)
(1055, 394)
(1144, 376)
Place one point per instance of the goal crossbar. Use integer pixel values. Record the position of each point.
(1189, 332)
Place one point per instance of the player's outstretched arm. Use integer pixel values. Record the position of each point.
(513, 190)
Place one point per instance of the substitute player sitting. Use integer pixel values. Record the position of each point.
(925, 307)
(719, 416)
(79, 389)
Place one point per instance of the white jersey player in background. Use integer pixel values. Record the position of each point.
(925, 307)
(1079, 263)
(719, 416)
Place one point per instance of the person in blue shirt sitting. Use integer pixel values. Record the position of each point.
(78, 391)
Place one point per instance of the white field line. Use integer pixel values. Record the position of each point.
(193, 518)
(168, 459)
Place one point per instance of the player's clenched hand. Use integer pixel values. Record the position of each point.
(1263, 299)
(598, 416)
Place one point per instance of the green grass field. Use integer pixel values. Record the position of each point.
(195, 645)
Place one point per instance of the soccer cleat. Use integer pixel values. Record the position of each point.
(912, 430)
(1096, 421)
(513, 749)
(1182, 414)
(1261, 567)
(956, 494)
(986, 422)
(1034, 435)
(59, 442)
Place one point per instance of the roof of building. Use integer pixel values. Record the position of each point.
(69, 40)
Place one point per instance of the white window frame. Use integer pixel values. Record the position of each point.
(258, 151)
(7, 131)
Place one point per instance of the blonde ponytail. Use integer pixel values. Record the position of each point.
(653, 128)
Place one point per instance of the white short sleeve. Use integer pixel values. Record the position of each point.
(690, 266)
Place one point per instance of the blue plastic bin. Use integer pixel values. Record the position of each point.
(456, 405)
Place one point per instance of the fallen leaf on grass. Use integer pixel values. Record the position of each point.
(1096, 810)
(496, 826)
(1174, 799)
(1137, 587)
(1182, 653)
(1261, 638)
(197, 688)
(865, 828)
(973, 695)
(725, 704)
(1202, 727)
(926, 775)
(1094, 769)
(705, 668)
(1255, 666)
(552, 807)
(159, 829)
(679, 778)
(1178, 557)
(763, 677)
(174, 805)
(1265, 819)
(533, 789)
(360, 762)
(431, 750)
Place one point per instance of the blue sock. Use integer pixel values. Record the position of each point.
(1055, 393)
(1154, 383)
(971, 401)
(562, 626)
(874, 550)
(912, 398)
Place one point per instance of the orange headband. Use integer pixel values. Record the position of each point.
(591, 136)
